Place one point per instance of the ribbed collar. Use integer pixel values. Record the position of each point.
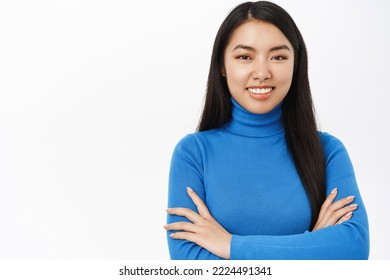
(249, 124)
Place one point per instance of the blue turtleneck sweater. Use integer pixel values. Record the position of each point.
(246, 177)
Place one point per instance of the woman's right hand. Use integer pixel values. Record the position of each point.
(335, 213)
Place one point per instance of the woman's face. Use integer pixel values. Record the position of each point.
(259, 65)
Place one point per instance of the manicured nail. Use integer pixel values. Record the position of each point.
(334, 191)
(172, 235)
(169, 209)
(348, 215)
(353, 206)
(166, 226)
(189, 189)
(351, 197)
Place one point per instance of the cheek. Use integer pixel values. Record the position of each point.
(236, 76)
(285, 75)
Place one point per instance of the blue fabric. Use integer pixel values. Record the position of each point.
(246, 177)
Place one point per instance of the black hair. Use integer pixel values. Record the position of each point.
(298, 113)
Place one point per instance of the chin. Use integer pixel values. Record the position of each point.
(260, 111)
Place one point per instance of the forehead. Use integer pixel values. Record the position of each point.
(257, 34)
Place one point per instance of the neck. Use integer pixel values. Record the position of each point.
(249, 124)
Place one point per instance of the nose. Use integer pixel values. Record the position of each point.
(261, 71)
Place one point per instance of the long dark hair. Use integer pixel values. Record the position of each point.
(297, 110)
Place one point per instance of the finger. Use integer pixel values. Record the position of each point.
(337, 215)
(336, 206)
(203, 210)
(184, 236)
(342, 202)
(189, 227)
(328, 201)
(345, 218)
(185, 212)
(200, 205)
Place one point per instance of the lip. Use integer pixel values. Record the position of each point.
(260, 97)
(266, 86)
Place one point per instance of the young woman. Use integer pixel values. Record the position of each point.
(258, 181)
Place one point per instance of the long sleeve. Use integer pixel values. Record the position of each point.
(349, 240)
(246, 177)
(185, 170)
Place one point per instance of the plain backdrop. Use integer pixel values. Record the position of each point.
(94, 95)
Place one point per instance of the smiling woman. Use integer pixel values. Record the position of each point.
(258, 181)
(257, 52)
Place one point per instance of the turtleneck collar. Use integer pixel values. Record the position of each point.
(249, 124)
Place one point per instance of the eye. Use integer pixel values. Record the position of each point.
(278, 58)
(243, 57)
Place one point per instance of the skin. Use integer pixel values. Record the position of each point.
(335, 213)
(257, 56)
(204, 229)
(206, 232)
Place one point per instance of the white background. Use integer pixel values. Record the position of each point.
(94, 95)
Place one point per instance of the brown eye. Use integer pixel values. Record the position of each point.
(243, 57)
(278, 58)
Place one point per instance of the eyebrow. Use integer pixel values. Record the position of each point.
(249, 48)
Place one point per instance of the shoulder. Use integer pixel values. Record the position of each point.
(187, 144)
(329, 141)
(198, 143)
(199, 139)
(188, 151)
(334, 149)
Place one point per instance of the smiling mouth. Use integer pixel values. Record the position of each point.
(260, 91)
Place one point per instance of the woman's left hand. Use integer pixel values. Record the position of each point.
(204, 230)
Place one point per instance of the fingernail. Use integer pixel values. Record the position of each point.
(351, 197)
(333, 191)
(172, 235)
(353, 206)
(189, 189)
(169, 209)
(348, 215)
(166, 226)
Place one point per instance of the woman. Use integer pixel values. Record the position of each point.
(258, 181)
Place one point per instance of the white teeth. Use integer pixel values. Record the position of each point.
(259, 90)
